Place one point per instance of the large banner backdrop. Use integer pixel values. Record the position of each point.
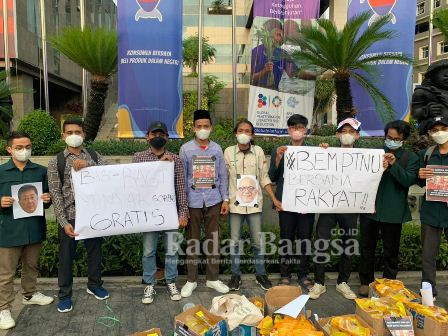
(150, 66)
(393, 79)
(279, 88)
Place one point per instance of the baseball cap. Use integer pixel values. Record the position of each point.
(157, 126)
(349, 121)
(436, 120)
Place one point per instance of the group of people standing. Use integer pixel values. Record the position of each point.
(203, 198)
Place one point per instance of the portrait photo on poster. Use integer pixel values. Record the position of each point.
(247, 188)
(27, 200)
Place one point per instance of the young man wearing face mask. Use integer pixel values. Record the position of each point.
(347, 132)
(20, 239)
(75, 156)
(157, 137)
(206, 202)
(292, 225)
(247, 159)
(433, 215)
(391, 206)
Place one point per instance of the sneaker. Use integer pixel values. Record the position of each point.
(65, 305)
(6, 320)
(285, 281)
(263, 281)
(363, 291)
(218, 286)
(346, 291)
(37, 299)
(99, 292)
(148, 294)
(188, 289)
(235, 283)
(316, 291)
(174, 292)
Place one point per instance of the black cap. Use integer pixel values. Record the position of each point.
(201, 114)
(435, 121)
(157, 126)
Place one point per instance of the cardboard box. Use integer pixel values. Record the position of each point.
(427, 326)
(377, 324)
(375, 294)
(150, 332)
(218, 326)
(279, 296)
(323, 324)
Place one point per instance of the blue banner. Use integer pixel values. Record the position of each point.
(393, 79)
(150, 66)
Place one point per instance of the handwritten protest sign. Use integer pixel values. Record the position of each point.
(127, 198)
(333, 180)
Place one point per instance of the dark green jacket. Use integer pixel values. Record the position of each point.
(433, 213)
(23, 231)
(391, 203)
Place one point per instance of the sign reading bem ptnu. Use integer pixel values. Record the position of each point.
(332, 180)
(126, 198)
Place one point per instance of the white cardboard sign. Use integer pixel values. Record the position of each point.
(332, 180)
(127, 198)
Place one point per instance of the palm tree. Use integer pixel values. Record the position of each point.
(440, 21)
(95, 50)
(6, 90)
(344, 54)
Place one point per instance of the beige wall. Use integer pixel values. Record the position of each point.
(338, 12)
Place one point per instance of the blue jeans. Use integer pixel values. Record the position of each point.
(236, 226)
(150, 240)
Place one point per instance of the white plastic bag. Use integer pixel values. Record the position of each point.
(236, 309)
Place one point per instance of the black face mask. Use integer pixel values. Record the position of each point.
(157, 142)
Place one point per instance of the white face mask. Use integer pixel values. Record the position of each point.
(203, 134)
(347, 139)
(243, 139)
(22, 155)
(74, 140)
(440, 137)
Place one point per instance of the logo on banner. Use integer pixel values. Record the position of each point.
(292, 102)
(381, 8)
(262, 99)
(148, 10)
(276, 101)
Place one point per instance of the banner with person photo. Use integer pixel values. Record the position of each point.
(150, 66)
(279, 87)
(392, 78)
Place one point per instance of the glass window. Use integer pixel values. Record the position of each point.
(424, 52)
(190, 20)
(68, 12)
(99, 10)
(33, 16)
(421, 8)
(218, 20)
(443, 48)
(436, 3)
(422, 27)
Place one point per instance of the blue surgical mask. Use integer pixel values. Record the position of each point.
(392, 144)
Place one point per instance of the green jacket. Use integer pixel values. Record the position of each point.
(23, 231)
(433, 213)
(391, 203)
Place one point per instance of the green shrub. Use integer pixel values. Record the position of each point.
(122, 255)
(3, 147)
(42, 129)
(325, 130)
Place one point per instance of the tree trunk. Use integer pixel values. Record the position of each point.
(344, 99)
(95, 107)
(194, 67)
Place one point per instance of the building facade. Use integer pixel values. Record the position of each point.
(436, 47)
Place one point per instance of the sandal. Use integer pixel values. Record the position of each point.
(306, 283)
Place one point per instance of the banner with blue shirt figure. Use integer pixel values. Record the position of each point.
(393, 78)
(279, 87)
(150, 66)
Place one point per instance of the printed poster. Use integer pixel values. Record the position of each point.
(27, 200)
(437, 186)
(204, 172)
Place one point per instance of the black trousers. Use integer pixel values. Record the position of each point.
(370, 234)
(295, 226)
(67, 253)
(431, 237)
(347, 236)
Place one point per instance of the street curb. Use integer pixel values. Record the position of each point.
(331, 277)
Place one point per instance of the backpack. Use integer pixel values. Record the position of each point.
(428, 154)
(61, 162)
